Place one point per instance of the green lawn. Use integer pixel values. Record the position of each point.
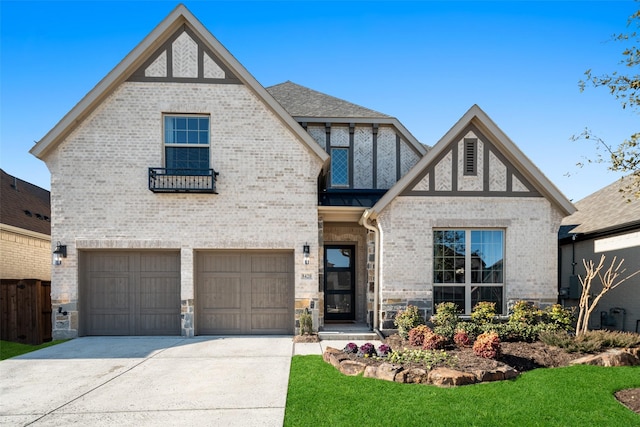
(572, 396)
(10, 349)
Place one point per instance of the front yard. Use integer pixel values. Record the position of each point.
(569, 396)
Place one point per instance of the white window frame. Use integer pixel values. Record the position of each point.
(166, 144)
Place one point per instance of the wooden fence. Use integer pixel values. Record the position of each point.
(25, 311)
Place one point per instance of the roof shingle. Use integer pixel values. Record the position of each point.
(24, 205)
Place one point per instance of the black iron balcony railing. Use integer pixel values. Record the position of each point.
(163, 180)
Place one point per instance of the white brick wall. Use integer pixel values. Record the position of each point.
(530, 225)
(100, 199)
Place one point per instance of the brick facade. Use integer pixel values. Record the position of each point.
(100, 200)
(25, 255)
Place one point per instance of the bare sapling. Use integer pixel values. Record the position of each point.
(610, 279)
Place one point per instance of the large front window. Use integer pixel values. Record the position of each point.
(186, 144)
(468, 267)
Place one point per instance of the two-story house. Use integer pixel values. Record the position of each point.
(192, 200)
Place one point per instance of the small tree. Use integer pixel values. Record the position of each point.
(610, 279)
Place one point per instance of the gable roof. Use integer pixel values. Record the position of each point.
(604, 210)
(301, 101)
(140, 55)
(308, 105)
(478, 118)
(24, 205)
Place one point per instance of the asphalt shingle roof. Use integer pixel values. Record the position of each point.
(24, 205)
(300, 101)
(604, 209)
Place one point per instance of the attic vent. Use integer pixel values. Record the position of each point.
(46, 218)
(28, 213)
(470, 156)
(39, 216)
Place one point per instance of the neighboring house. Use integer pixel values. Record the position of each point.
(192, 200)
(25, 230)
(607, 223)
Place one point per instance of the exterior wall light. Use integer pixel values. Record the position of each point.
(306, 252)
(59, 253)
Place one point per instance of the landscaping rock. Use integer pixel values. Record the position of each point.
(371, 371)
(416, 376)
(498, 374)
(445, 377)
(614, 357)
(328, 352)
(388, 371)
(352, 367)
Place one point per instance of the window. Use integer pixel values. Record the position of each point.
(339, 167)
(186, 144)
(468, 267)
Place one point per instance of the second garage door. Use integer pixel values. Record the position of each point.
(244, 292)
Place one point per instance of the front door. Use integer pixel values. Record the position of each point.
(339, 282)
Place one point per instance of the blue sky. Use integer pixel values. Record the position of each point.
(424, 62)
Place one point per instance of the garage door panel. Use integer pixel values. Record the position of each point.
(269, 292)
(250, 292)
(119, 298)
(221, 293)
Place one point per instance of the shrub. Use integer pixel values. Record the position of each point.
(433, 341)
(367, 350)
(591, 341)
(417, 334)
(461, 338)
(470, 328)
(407, 319)
(351, 348)
(487, 345)
(525, 312)
(306, 322)
(558, 317)
(483, 313)
(384, 350)
(445, 319)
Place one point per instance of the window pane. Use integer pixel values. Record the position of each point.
(454, 294)
(448, 256)
(339, 167)
(489, 294)
(339, 258)
(186, 158)
(487, 256)
(186, 130)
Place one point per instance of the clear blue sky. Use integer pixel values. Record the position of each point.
(423, 62)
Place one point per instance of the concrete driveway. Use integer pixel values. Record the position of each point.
(107, 381)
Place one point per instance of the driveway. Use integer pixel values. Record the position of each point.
(107, 381)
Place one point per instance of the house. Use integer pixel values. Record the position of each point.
(25, 261)
(194, 201)
(606, 223)
(25, 227)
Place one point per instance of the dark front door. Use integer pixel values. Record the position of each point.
(339, 282)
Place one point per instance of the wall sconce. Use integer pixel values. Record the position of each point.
(59, 253)
(306, 252)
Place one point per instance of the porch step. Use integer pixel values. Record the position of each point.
(348, 336)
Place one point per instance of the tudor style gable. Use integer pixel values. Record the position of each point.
(184, 58)
(471, 165)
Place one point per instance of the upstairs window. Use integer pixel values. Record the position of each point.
(339, 167)
(186, 144)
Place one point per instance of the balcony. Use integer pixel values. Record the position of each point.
(162, 180)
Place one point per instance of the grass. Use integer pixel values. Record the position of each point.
(570, 396)
(10, 349)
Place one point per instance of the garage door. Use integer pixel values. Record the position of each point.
(244, 293)
(130, 293)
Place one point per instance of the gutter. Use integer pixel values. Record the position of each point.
(377, 232)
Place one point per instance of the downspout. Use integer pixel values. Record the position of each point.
(377, 232)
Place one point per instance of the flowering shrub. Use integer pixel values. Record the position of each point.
(367, 350)
(461, 338)
(351, 348)
(384, 350)
(487, 345)
(417, 334)
(433, 341)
